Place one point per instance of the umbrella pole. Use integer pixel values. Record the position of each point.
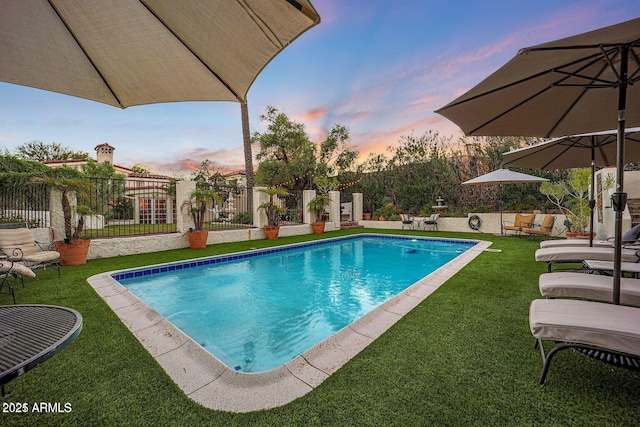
(619, 198)
(500, 203)
(592, 201)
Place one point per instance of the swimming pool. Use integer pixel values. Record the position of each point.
(211, 383)
(257, 310)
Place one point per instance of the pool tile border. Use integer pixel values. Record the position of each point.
(211, 383)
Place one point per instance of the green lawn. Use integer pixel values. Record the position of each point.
(464, 356)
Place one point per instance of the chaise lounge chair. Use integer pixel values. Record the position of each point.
(629, 238)
(31, 253)
(574, 254)
(607, 332)
(592, 287)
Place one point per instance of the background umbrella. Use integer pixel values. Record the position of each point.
(133, 52)
(563, 88)
(577, 151)
(503, 176)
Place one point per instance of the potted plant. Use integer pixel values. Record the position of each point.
(571, 196)
(273, 211)
(388, 211)
(317, 206)
(196, 205)
(73, 248)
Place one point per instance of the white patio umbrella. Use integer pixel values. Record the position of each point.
(503, 176)
(560, 88)
(577, 151)
(134, 52)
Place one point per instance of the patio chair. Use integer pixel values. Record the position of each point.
(407, 220)
(577, 254)
(33, 254)
(520, 221)
(543, 229)
(606, 332)
(10, 268)
(432, 222)
(591, 287)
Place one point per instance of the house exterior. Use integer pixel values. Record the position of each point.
(148, 193)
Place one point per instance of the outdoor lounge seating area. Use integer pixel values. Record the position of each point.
(19, 244)
(520, 222)
(579, 312)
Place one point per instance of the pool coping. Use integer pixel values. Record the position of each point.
(214, 385)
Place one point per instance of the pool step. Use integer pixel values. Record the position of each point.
(350, 224)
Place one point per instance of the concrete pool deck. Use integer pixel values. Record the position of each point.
(211, 383)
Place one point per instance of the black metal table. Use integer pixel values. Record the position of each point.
(32, 334)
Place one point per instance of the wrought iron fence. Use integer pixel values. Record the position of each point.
(24, 203)
(136, 206)
(293, 208)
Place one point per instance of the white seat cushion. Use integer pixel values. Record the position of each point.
(608, 326)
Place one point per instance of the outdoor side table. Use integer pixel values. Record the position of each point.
(32, 334)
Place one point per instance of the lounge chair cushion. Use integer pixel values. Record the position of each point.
(578, 254)
(607, 326)
(17, 268)
(575, 242)
(594, 287)
(23, 238)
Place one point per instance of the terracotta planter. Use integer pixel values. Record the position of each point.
(271, 231)
(318, 227)
(366, 216)
(73, 253)
(381, 218)
(198, 239)
(578, 234)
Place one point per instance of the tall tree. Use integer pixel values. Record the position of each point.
(287, 155)
(40, 152)
(248, 154)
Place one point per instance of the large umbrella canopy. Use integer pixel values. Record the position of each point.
(503, 176)
(577, 151)
(557, 88)
(133, 52)
(563, 88)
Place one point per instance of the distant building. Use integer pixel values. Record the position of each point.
(148, 192)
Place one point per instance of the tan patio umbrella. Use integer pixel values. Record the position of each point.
(503, 176)
(134, 52)
(577, 151)
(580, 84)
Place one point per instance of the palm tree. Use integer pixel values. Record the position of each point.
(248, 155)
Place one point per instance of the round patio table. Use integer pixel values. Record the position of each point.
(32, 334)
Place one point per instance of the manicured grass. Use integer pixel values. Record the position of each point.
(464, 356)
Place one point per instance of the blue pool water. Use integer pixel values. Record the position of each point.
(257, 310)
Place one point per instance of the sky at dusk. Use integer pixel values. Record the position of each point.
(378, 67)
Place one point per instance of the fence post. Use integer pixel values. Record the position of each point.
(307, 216)
(356, 208)
(259, 216)
(183, 220)
(334, 209)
